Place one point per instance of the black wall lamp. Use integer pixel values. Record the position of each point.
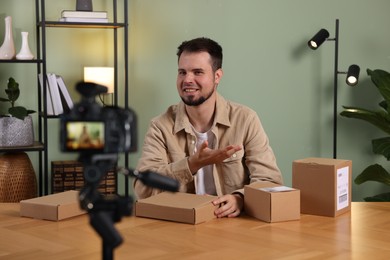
(352, 74)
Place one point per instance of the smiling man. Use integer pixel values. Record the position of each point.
(210, 145)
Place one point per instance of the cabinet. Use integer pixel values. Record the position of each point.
(42, 26)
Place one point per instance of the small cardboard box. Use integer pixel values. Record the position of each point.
(52, 207)
(179, 207)
(325, 185)
(271, 202)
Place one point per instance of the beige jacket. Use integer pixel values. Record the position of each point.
(170, 140)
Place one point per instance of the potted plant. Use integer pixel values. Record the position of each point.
(381, 119)
(16, 126)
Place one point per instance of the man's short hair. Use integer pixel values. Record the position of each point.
(203, 44)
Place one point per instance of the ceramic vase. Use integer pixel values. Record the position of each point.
(25, 52)
(7, 49)
(16, 132)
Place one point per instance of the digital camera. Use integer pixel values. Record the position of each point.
(91, 128)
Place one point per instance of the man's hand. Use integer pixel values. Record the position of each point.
(206, 156)
(231, 206)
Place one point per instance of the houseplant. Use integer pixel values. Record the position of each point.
(16, 126)
(381, 119)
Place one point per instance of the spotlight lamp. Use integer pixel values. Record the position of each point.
(352, 74)
(318, 39)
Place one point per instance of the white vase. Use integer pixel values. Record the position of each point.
(25, 52)
(7, 49)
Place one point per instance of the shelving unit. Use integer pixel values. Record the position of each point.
(42, 25)
(38, 146)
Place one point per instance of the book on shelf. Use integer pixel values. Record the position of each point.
(67, 101)
(55, 94)
(83, 14)
(83, 20)
(49, 103)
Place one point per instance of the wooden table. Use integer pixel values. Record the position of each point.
(363, 233)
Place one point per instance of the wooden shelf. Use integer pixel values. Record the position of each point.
(81, 25)
(37, 146)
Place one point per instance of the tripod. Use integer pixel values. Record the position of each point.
(103, 211)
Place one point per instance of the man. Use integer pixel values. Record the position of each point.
(210, 145)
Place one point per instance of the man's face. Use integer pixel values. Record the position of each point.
(196, 80)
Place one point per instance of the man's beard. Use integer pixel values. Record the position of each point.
(190, 101)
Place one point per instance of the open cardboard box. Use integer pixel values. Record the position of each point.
(325, 185)
(179, 207)
(52, 207)
(272, 202)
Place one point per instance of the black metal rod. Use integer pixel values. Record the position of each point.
(126, 50)
(336, 59)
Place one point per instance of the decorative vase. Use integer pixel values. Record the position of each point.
(25, 52)
(7, 49)
(16, 132)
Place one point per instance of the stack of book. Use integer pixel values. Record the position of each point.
(69, 175)
(58, 99)
(84, 16)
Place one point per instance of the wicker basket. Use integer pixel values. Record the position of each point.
(17, 178)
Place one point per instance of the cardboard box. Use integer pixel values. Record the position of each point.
(52, 207)
(271, 202)
(179, 207)
(325, 185)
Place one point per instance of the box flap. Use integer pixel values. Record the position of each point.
(63, 198)
(178, 200)
(320, 161)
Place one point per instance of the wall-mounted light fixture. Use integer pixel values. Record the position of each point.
(103, 76)
(352, 75)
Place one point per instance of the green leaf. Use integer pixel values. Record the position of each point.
(380, 119)
(29, 111)
(383, 197)
(4, 99)
(18, 112)
(382, 146)
(13, 94)
(383, 105)
(374, 172)
(381, 79)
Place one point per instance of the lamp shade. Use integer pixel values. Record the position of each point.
(318, 39)
(100, 75)
(353, 75)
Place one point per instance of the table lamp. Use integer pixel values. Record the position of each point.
(103, 76)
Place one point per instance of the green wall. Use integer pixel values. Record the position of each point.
(267, 65)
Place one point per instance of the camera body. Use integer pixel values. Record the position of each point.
(90, 128)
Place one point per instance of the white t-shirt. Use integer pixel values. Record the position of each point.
(204, 177)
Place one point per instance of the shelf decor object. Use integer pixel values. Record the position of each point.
(17, 177)
(352, 74)
(84, 5)
(25, 52)
(16, 127)
(7, 49)
(16, 132)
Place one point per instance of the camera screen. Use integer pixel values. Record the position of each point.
(84, 135)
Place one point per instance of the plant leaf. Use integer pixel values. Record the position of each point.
(29, 111)
(383, 197)
(12, 93)
(381, 79)
(18, 112)
(382, 146)
(380, 119)
(373, 172)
